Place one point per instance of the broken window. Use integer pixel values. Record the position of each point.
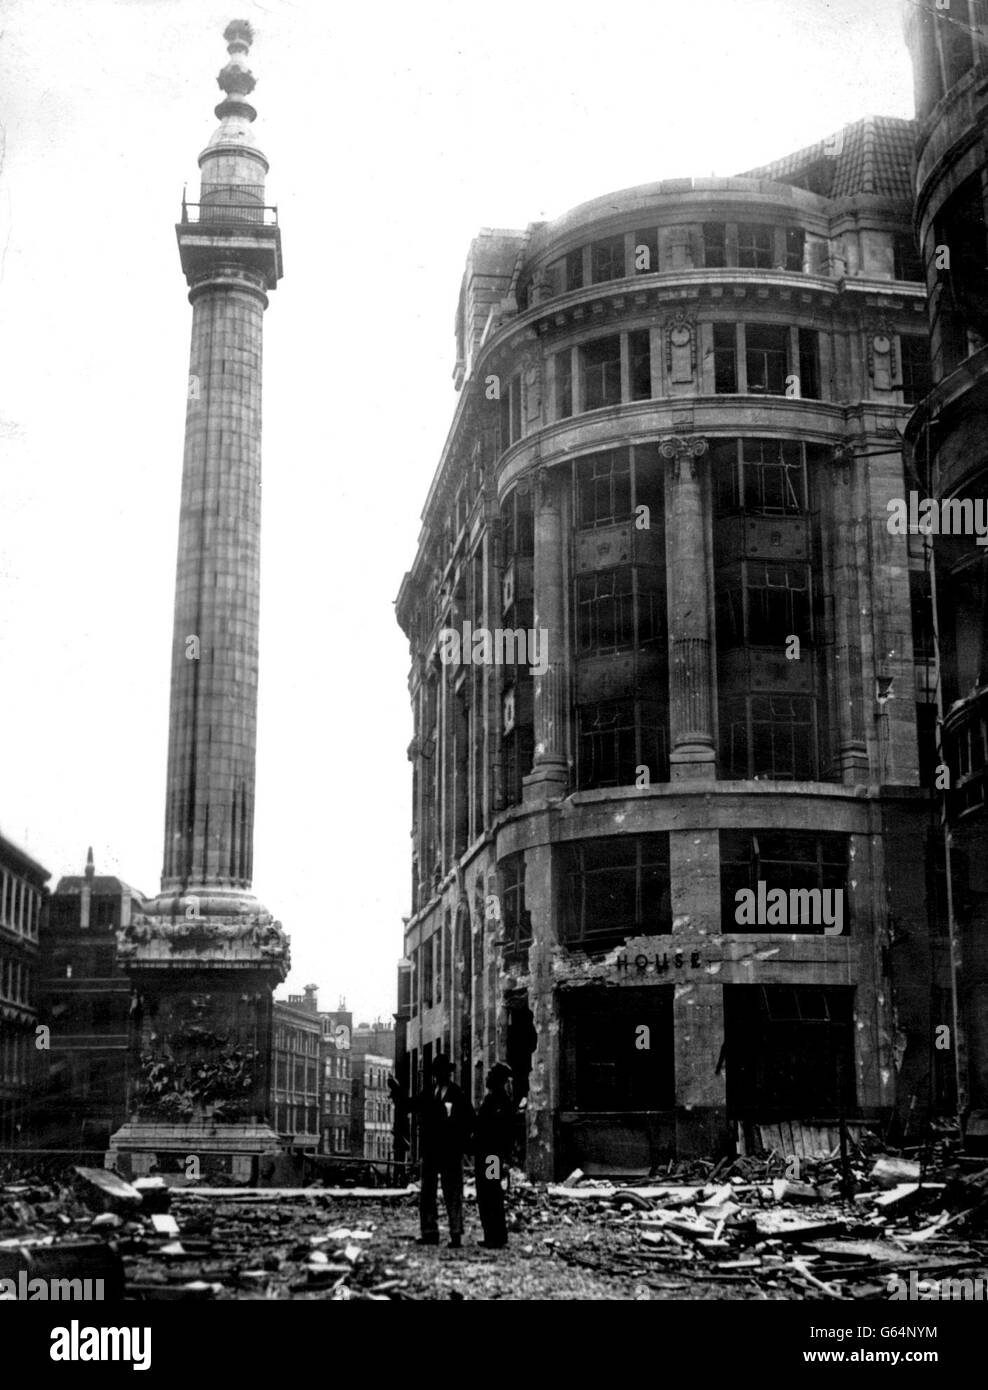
(725, 359)
(921, 600)
(640, 358)
(564, 384)
(517, 527)
(763, 603)
(959, 300)
(714, 245)
(786, 859)
(914, 358)
(795, 246)
(509, 412)
(615, 738)
(574, 270)
(516, 920)
(428, 974)
(605, 610)
(906, 258)
(755, 246)
(518, 750)
(615, 887)
(769, 478)
(600, 367)
(955, 45)
(768, 735)
(766, 358)
(600, 1066)
(809, 364)
(603, 483)
(789, 1051)
(777, 599)
(607, 259)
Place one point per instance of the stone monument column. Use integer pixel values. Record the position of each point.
(206, 956)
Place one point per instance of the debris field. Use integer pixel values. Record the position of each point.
(738, 1229)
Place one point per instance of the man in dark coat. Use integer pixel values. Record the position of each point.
(445, 1128)
(493, 1142)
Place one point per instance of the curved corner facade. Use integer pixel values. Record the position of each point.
(948, 447)
(671, 673)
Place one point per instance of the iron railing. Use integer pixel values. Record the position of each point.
(222, 214)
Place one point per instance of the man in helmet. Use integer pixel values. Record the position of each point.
(492, 1145)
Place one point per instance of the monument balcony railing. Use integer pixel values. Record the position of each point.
(222, 214)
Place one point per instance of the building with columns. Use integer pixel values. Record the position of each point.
(677, 434)
(23, 910)
(205, 955)
(948, 449)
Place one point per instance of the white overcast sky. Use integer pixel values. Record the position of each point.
(395, 130)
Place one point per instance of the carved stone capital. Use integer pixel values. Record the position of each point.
(679, 448)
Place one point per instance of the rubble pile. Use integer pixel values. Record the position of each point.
(828, 1228)
(841, 1230)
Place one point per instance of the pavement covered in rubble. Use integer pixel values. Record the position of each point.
(735, 1230)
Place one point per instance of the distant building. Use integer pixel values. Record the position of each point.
(22, 906)
(372, 1115)
(377, 1037)
(295, 1103)
(335, 1059)
(85, 999)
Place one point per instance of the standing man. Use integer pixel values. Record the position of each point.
(445, 1128)
(493, 1144)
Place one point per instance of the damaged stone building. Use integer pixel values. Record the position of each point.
(947, 439)
(23, 907)
(687, 659)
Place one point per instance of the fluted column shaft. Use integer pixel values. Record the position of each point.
(690, 679)
(209, 820)
(550, 773)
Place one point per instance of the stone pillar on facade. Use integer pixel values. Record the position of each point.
(698, 999)
(550, 772)
(541, 897)
(849, 537)
(691, 738)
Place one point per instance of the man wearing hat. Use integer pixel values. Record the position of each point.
(493, 1142)
(446, 1120)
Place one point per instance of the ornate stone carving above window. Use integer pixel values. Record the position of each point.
(680, 336)
(881, 353)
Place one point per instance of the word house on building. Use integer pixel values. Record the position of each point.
(677, 431)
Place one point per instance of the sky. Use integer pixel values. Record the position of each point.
(395, 131)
